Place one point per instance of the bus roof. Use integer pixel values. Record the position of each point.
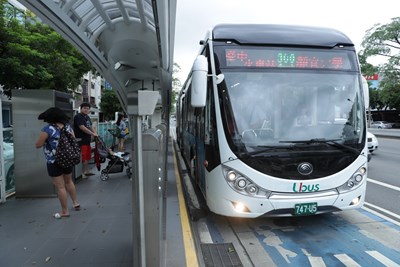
(274, 34)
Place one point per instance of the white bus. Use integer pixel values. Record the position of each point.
(271, 121)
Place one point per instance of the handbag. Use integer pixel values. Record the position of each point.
(101, 148)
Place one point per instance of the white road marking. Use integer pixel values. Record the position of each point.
(204, 234)
(382, 259)
(383, 211)
(380, 214)
(316, 261)
(383, 184)
(347, 261)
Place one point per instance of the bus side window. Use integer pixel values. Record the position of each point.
(210, 119)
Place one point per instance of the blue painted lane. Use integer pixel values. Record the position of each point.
(356, 238)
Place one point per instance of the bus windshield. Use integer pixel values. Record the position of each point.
(282, 108)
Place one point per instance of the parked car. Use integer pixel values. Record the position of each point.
(372, 142)
(8, 154)
(381, 125)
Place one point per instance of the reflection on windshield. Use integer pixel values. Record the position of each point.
(267, 108)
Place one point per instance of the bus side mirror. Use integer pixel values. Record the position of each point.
(199, 82)
(365, 91)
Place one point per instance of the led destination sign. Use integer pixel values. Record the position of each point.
(300, 59)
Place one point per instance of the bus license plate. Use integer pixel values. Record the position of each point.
(305, 208)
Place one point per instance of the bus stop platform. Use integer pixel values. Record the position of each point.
(99, 234)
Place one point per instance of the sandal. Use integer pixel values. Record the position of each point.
(59, 216)
(77, 207)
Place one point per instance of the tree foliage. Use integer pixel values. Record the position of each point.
(34, 56)
(375, 101)
(176, 86)
(109, 104)
(366, 68)
(384, 40)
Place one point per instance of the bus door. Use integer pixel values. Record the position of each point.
(208, 150)
(200, 157)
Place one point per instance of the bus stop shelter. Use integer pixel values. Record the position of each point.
(130, 43)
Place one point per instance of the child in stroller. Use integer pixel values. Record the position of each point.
(117, 160)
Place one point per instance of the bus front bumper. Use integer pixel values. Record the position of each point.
(289, 204)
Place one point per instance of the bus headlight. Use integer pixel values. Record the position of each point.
(358, 178)
(240, 207)
(355, 180)
(251, 189)
(231, 176)
(243, 184)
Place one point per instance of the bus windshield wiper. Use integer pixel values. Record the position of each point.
(310, 141)
(264, 149)
(331, 142)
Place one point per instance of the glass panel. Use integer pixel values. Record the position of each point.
(113, 13)
(270, 108)
(105, 2)
(95, 24)
(82, 7)
(133, 13)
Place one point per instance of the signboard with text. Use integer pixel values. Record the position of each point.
(373, 77)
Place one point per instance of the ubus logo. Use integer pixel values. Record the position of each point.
(305, 188)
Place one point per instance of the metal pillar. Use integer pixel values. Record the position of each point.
(140, 103)
(139, 245)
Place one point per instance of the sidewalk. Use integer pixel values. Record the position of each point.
(100, 234)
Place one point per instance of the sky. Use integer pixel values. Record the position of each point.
(352, 17)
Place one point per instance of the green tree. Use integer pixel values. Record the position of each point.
(391, 87)
(176, 86)
(34, 56)
(375, 99)
(369, 69)
(384, 40)
(366, 68)
(109, 104)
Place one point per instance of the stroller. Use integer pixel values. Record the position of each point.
(117, 160)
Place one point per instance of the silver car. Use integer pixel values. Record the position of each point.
(381, 125)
